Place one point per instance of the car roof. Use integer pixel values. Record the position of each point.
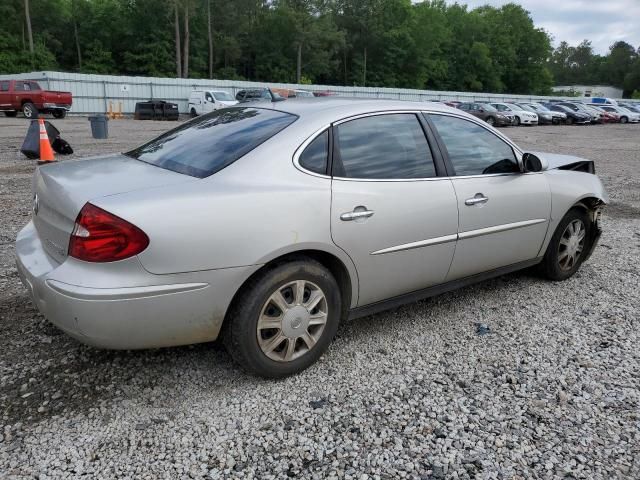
(344, 107)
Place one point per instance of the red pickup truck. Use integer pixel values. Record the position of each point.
(27, 97)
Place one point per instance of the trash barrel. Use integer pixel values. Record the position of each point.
(99, 126)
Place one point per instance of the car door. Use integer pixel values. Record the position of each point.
(390, 212)
(5, 98)
(503, 213)
(209, 104)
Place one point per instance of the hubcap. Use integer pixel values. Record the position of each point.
(571, 245)
(292, 321)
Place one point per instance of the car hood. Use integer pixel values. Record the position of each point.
(229, 103)
(556, 160)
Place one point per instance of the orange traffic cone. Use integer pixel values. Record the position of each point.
(46, 152)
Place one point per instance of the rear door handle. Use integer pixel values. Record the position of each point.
(477, 199)
(356, 214)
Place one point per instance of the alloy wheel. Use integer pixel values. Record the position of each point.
(292, 321)
(571, 245)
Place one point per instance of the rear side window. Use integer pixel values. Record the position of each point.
(384, 147)
(4, 86)
(314, 157)
(209, 143)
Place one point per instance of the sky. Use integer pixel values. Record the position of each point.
(601, 21)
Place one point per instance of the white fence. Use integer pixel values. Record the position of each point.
(94, 93)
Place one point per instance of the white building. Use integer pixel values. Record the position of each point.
(592, 90)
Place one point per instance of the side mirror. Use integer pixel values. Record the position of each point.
(481, 110)
(532, 163)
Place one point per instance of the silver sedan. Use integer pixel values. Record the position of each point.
(268, 224)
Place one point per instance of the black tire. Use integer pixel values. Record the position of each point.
(517, 121)
(491, 121)
(569, 121)
(193, 113)
(29, 110)
(551, 266)
(624, 119)
(10, 113)
(59, 113)
(240, 335)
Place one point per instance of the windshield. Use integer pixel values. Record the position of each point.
(223, 96)
(488, 108)
(540, 108)
(211, 142)
(526, 108)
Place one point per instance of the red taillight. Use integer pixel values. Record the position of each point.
(100, 236)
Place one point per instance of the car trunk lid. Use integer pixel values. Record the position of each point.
(62, 189)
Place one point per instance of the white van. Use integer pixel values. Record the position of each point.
(205, 101)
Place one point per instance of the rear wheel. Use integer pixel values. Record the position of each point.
(59, 113)
(29, 110)
(10, 113)
(285, 319)
(568, 246)
(193, 113)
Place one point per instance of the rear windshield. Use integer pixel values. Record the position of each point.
(211, 142)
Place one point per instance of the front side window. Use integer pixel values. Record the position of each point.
(474, 150)
(384, 147)
(315, 156)
(211, 142)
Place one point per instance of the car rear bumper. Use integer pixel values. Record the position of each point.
(130, 310)
(55, 106)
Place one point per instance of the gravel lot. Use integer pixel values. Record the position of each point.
(552, 391)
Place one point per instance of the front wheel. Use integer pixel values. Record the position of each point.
(491, 121)
(568, 246)
(517, 121)
(29, 110)
(569, 121)
(284, 319)
(59, 113)
(624, 120)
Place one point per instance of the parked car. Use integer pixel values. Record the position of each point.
(556, 116)
(580, 107)
(205, 101)
(600, 115)
(608, 117)
(545, 117)
(522, 117)
(488, 113)
(28, 97)
(258, 94)
(244, 224)
(572, 115)
(626, 116)
(304, 93)
(634, 107)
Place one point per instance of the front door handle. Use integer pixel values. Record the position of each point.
(478, 198)
(358, 213)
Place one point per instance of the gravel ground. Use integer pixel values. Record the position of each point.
(550, 390)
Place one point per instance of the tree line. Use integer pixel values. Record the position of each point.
(385, 43)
